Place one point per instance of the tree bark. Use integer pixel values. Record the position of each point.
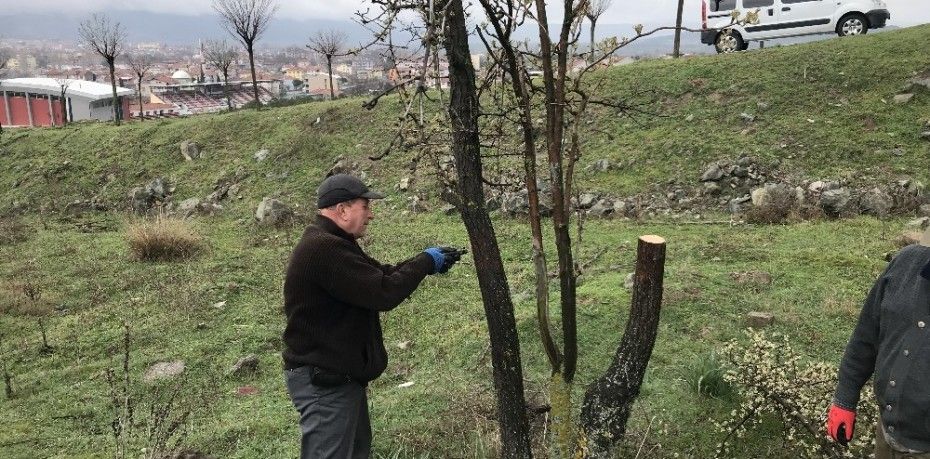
(677, 51)
(329, 68)
(226, 88)
(610, 398)
(258, 103)
(492, 279)
(141, 113)
(116, 111)
(591, 56)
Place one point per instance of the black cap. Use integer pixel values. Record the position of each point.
(340, 188)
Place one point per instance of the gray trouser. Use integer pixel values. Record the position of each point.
(334, 421)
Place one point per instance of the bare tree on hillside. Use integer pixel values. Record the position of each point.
(329, 44)
(140, 64)
(596, 8)
(676, 51)
(4, 57)
(247, 20)
(63, 84)
(494, 116)
(107, 39)
(221, 55)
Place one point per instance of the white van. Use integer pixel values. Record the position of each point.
(787, 18)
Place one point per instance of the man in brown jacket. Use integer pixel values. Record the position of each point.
(333, 294)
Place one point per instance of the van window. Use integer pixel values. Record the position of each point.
(722, 5)
(758, 3)
(799, 1)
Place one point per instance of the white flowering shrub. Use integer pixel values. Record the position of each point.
(772, 380)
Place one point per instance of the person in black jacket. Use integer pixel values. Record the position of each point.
(891, 344)
(333, 294)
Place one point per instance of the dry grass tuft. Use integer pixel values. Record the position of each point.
(163, 239)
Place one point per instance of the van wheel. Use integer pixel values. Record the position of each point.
(852, 24)
(729, 42)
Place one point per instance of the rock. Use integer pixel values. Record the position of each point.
(897, 151)
(925, 135)
(712, 174)
(417, 205)
(815, 187)
(836, 202)
(140, 200)
(711, 188)
(689, 118)
(735, 205)
(745, 161)
(628, 281)
(189, 206)
(493, 203)
(157, 188)
(261, 155)
(759, 319)
(762, 105)
(909, 237)
(247, 364)
(163, 370)
(404, 184)
(740, 171)
(601, 165)
(602, 208)
(875, 202)
(586, 200)
(747, 117)
(448, 209)
(918, 224)
(758, 196)
(272, 212)
(903, 98)
(924, 210)
(915, 188)
(515, 203)
(190, 150)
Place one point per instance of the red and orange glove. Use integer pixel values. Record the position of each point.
(840, 424)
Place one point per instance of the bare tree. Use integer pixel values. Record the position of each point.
(329, 44)
(140, 64)
(676, 52)
(247, 20)
(596, 8)
(220, 54)
(4, 57)
(63, 84)
(107, 39)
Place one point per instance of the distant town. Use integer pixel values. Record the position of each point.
(55, 82)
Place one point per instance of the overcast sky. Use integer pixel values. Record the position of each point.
(648, 12)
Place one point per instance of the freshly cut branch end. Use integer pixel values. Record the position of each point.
(652, 239)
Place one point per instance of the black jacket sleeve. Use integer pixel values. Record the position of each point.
(349, 276)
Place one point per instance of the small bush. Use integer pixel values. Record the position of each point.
(774, 382)
(705, 376)
(779, 206)
(163, 239)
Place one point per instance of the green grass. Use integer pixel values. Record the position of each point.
(821, 270)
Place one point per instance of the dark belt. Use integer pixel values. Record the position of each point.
(322, 377)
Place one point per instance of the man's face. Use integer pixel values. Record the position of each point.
(355, 216)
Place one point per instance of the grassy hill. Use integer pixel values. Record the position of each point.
(822, 111)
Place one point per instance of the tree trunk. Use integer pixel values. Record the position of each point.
(141, 112)
(329, 68)
(677, 51)
(226, 89)
(591, 56)
(492, 280)
(116, 110)
(610, 398)
(64, 109)
(258, 103)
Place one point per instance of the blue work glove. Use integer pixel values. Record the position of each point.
(444, 258)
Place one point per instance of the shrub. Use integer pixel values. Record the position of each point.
(773, 381)
(779, 206)
(705, 376)
(163, 239)
(12, 231)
